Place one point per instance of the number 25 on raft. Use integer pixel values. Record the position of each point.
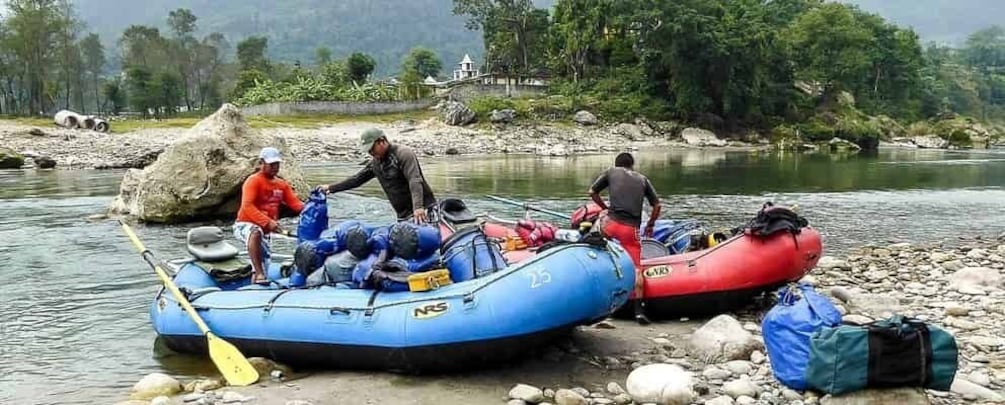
(539, 277)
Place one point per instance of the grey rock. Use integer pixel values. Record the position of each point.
(980, 277)
(963, 387)
(791, 395)
(830, 262)
(614, 388)
(701, 137)
(737, 388)
(569, 397)
(953, 265)
(715, 373)
(9, 159)
(745, 400)
(193, 397)
(622, 399)
(723, 339)
(980, 378)
(503, 116)
(585, 118)
(162, 400)
(757, 357)
(902, 396)
(739, 367)
(526, 393)
(516, 402)
(720, 400)
(44, 162)
(579, 390)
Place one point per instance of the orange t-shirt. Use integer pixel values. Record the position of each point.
(261, 197)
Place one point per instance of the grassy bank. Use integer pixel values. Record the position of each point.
(287, 121)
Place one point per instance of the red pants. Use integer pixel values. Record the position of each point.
(628, 236)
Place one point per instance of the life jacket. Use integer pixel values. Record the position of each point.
(585, 213)
(535, 233)
(772, 219)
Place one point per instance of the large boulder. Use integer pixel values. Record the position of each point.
(200, 175)
(10, 159)
(458, 114)
(701, 137)
(584, 117)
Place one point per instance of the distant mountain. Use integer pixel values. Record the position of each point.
(944, 21)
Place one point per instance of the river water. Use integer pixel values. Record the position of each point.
(73, 308)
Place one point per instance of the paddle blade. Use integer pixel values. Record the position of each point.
(232, 364)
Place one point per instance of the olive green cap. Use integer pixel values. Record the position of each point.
(369, 136)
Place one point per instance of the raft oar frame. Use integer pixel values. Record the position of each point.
(529, 207)
(236, 368)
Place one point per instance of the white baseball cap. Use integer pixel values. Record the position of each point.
(270, 155)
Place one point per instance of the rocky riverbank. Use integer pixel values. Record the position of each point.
(79, 149)
(958, 288)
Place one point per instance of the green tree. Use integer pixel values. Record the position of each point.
(182, 22)
(830, 46)
(251, 54)
(322, 56)
(142, 94)
(422, 61)
(114, 95)
(508, 27)
(33, 28)
(94, 63)
(360, 67)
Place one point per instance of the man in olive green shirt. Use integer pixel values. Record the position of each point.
(397, 169)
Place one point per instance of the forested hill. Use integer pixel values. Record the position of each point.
(387, 29)
(947, 21)
(384, 29)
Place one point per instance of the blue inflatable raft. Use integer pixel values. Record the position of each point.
(489, 319)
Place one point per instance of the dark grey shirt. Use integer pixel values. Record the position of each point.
(401, 178)
(628, 189)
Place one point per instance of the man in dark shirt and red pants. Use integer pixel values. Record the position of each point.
(624, 215)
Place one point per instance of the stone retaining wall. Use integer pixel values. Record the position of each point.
(336, 107)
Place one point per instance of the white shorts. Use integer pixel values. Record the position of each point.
(243, 230)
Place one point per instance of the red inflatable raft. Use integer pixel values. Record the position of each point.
(728, 275)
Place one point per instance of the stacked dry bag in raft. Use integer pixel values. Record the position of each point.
(810, 347)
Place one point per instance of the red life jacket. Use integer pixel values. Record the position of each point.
(586, 213)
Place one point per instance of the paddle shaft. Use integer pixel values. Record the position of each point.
(530, 207)
(149, 258)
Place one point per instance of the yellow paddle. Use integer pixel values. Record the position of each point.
(228, 359)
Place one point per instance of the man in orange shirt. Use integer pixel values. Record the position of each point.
(261, 196)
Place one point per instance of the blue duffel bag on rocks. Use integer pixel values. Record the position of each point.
(788, 327)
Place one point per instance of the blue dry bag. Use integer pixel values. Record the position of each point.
(788, 327)
(313, 218)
